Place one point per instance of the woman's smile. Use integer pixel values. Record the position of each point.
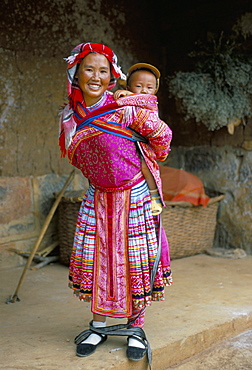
(93, 86)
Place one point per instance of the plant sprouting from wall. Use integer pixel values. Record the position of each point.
(218, 91)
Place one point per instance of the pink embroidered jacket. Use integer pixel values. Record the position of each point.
(110, 161)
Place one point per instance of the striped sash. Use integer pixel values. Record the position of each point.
(92, 119)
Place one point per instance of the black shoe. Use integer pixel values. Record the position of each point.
(86, 349)
(135, 353)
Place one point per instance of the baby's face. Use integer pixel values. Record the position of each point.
(142, 82)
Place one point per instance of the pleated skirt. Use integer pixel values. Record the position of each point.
(114, 249)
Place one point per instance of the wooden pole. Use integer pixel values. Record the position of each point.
(14, 297)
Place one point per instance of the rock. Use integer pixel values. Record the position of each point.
(226, 253)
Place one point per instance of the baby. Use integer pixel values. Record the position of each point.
(143, 78)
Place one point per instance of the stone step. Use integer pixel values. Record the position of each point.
(209, 301)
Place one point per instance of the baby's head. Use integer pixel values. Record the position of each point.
(143, 78)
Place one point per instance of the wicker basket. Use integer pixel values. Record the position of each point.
(190, 229)
(68, 211)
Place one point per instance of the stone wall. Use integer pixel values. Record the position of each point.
(227, 170)
(223, 162)
(36, 36)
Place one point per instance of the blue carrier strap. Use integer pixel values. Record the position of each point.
(111, 127)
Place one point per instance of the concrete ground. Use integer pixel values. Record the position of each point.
(209, 303)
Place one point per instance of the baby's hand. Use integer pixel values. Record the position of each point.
(121, 93)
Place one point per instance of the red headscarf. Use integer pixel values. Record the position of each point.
(78, 54)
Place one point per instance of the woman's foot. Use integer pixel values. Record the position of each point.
(89, 345)
(136, 349)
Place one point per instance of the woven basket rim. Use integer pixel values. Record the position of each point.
(188, 204)
(74, 196)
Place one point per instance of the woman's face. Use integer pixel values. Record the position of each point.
(94, 77)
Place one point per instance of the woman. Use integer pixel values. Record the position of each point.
(116, 239)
